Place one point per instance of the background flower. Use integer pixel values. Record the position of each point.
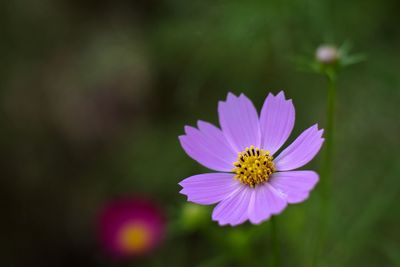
(131, 227)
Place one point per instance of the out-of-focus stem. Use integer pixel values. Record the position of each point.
(329, 135)
(275, 243)
(326, 172)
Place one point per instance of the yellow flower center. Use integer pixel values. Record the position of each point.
(254, 166)
(135, 237)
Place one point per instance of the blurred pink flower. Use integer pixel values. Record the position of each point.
(131, 227)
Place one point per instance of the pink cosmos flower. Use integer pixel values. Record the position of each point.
(130, 227)
(251, 183)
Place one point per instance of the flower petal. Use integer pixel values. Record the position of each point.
(233, 210)
(265, 201)
(209, 188)
(217, 138)
(208, 146)
(276, 121)
(296, 185)
(301, 151)
(239, 122)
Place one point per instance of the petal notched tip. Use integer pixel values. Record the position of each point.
(201, 123)
(184, 193)
(229, 98)
(316, 127)
(259, 221)
(281, 94)
(226, 223)
(188, 128)
(230, 95)
(220, 223)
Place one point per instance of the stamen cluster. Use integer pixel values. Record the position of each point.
(254, 166)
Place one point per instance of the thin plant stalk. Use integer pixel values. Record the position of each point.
(326, 172)
(329, 144)
(276, 261)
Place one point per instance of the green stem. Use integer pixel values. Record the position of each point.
(329, 135)
(275, 243)
(326, 172)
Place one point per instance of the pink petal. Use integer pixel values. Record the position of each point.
(265, 201)
(301, 151)
(276, 121)
(208, 146)
(218, 139)
(296, 185)
(239, 122)
(209, 188)
(233, 210)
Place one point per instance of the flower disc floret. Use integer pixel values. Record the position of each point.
(254, 166)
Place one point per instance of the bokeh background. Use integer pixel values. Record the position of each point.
(94, 94)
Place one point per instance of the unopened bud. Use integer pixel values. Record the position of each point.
(193, 216)
(327, 54)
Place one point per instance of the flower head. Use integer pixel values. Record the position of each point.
(130, 227)
(252, 183)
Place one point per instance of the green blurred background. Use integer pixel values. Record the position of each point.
(94, 94)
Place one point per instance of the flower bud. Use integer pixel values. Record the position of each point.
(194, 216)
(327, 54)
